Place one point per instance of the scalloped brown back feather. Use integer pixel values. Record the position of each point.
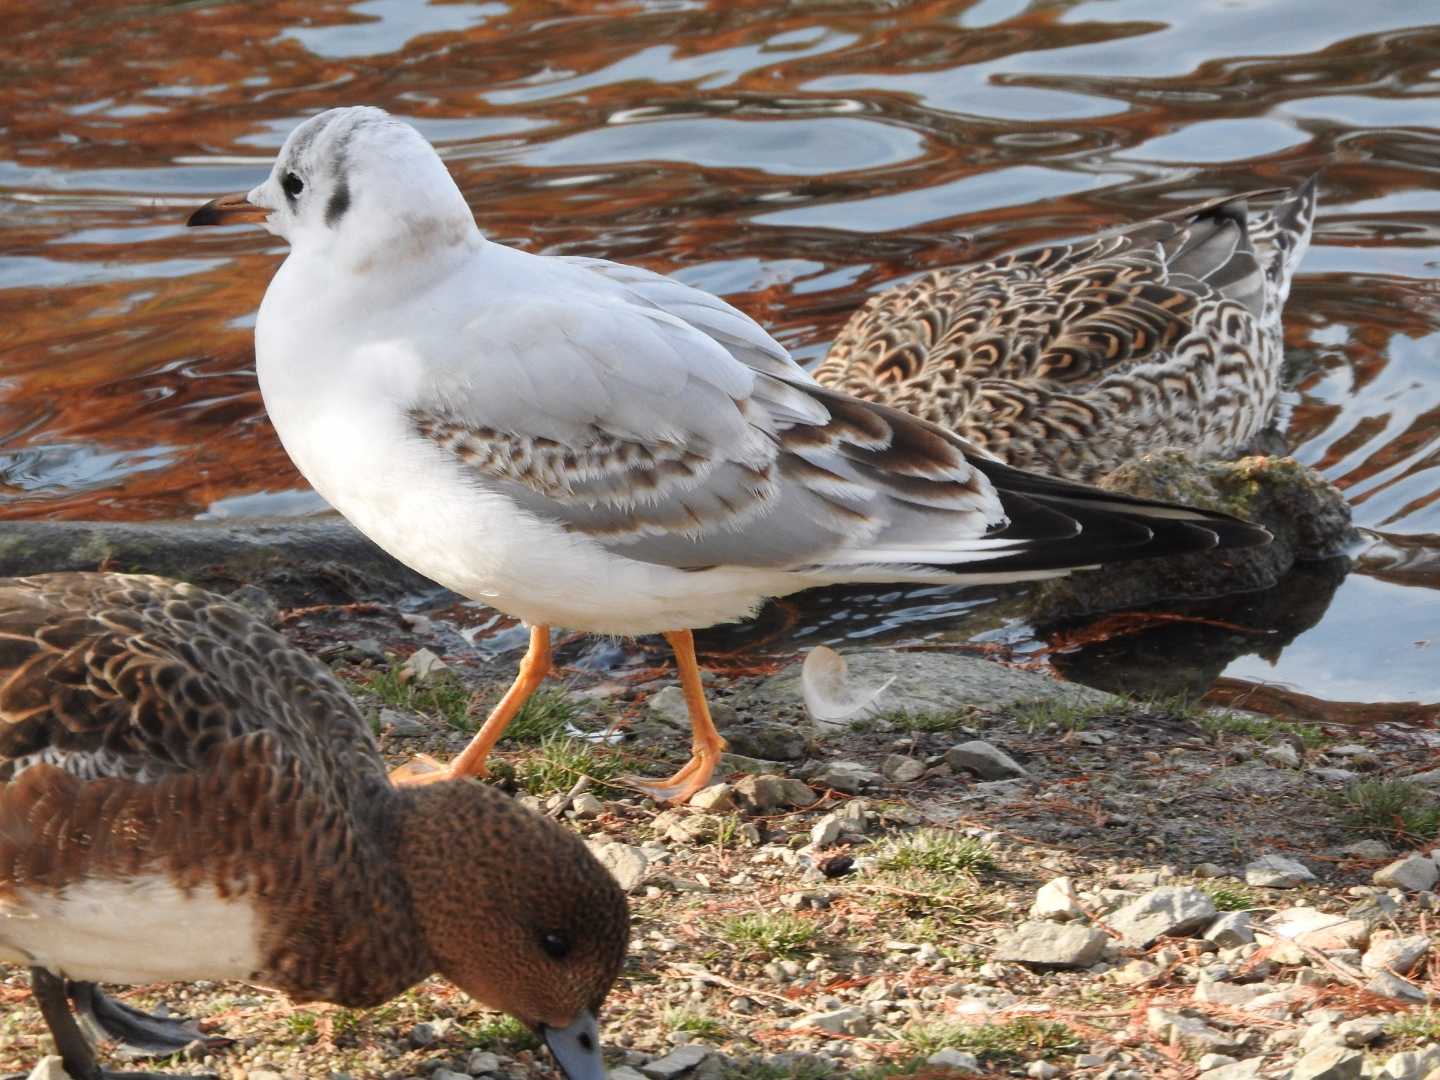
(1070, 359)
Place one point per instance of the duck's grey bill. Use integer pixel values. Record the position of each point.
(228, 210)
(577, 1048)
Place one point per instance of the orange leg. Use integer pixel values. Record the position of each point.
(706, 742)
(471, 761)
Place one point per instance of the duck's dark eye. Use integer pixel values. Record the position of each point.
(556, 946)
(292, 184)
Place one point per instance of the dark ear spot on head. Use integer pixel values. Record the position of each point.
(338, 204)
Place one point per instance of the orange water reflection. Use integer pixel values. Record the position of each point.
(792, 157)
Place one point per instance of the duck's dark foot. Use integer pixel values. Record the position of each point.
(135, 1034)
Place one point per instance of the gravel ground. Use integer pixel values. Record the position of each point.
(1037, 882)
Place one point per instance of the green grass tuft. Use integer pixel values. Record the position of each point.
(1059, 714)
(1219, 725)
(697, 1024)
(779, 935)
(504, 1032)
(1230, 897)
(904, 720)
(937, 853)
(1420, 1025)
(1010, 1043)
(441, 697)
(1391, 810)
(560, 760)
(547, 713)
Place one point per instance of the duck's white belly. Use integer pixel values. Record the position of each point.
(139, 930)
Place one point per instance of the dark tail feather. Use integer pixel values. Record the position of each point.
(1112, 526)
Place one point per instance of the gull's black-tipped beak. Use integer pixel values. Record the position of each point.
(228, 210)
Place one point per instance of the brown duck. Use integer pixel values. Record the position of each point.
(1070, 359)
(185, 796)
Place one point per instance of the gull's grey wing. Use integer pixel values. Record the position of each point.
(631, 425)
(664, 441)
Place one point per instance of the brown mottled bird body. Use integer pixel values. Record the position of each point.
(183, 795)
(1072, 358)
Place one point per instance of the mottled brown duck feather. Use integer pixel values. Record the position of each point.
(1071, 358)
(149, 729)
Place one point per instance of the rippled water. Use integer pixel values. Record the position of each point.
(791, 156)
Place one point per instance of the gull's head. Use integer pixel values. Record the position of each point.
(356, 182)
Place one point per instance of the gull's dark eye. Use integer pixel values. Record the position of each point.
(556, 946)
(292, 184)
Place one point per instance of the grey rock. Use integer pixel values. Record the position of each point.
(1321, 1033)
(668, 706)
(1170, 910)
(1429, 778)
(764, 793)
(481, 1062)
(423, 665)
(1134, 972)
(851, 1020)
(826, 831)
(852, 817)
(1213, 1061)
(587, 806)
(625, 1072)
(1333, 775)
(1367, 849)
(1308, 517)
(768, 740)
(1277, 872)
(1230, 928)
(1391, 952)
(1056, 899)
(364, 650)
(50, 1067)
(1191, 1032)
(899, 769)
(1052, 945)
(1413, 874)
(449, 1074)
(987, 761)
(1329, 1063)
(679, 1061)
(1247, 1069)
(423, 1035)
(849, 777)
(1393, 986)
(950, 1058)
(1362, 1031)
(1042, 1070)
(715, 798)
(401, 726)
(1412, 1064)
(1233, 995)
(253, 1074)
(627, 863)
(924, 683)
(1282, 757)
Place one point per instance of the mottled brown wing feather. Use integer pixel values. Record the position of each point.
(151, 728)
(1034, 355)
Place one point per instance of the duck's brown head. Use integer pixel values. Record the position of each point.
(517, 913)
